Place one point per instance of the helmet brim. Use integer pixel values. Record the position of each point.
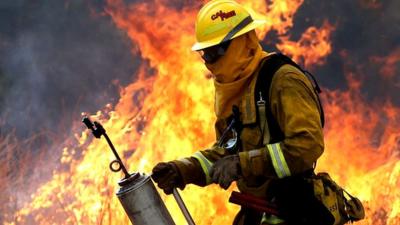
(206, 44)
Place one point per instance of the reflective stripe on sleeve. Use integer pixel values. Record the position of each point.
(271, 219)
(278, 160)
(205, 165)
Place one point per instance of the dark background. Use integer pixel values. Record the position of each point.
(57, 59)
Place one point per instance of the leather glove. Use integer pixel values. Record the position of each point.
(167, 177)
(225, 171)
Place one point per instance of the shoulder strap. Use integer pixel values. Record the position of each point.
(271, 64)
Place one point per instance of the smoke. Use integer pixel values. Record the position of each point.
(61, 58)
(364, 30)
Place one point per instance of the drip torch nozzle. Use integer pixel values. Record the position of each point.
(98, 130)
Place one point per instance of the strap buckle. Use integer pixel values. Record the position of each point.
(261, 101)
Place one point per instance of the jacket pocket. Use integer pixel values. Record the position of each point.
(251, 138)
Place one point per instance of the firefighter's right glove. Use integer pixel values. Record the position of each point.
(226, 170)
(167, 177)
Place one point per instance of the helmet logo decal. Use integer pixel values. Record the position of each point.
(223, 15)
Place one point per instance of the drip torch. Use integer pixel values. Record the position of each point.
(137, 193)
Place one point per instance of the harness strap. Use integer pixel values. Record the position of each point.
(263, 120)
(270, 65)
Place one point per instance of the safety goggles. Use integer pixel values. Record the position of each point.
(212, 54)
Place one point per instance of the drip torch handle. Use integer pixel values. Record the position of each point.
(116, 155)
(182, 206)
(98, 130)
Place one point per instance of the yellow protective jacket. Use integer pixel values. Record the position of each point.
(295, 107)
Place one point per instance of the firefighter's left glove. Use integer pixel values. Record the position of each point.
(225, 171)
(167, 177)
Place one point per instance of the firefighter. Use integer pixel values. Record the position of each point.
(256, 152)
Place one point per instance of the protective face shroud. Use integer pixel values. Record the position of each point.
(233, 70)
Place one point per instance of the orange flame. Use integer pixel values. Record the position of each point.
(167, 114)
(312, 47)
(388, 70)
(362, 144)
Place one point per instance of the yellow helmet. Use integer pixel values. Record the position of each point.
(222, 20)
